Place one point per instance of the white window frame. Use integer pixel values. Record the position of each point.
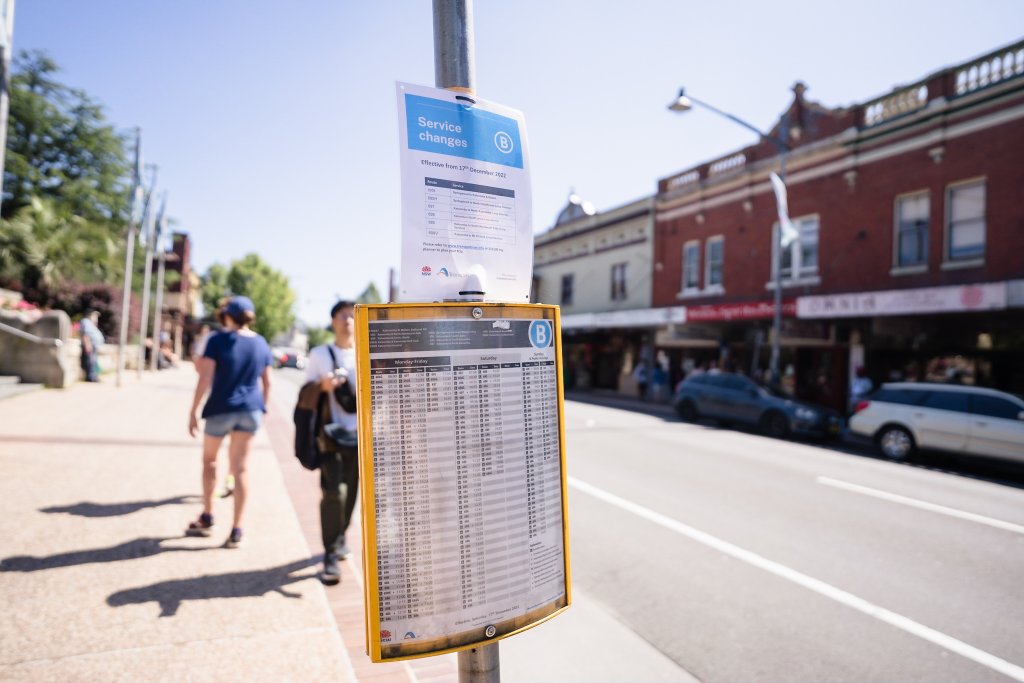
(799, 275)
(695, 289)
(709, 286)
(912, 268)
(619, 287)
(949, 263)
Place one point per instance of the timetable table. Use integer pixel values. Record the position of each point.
(467, 480)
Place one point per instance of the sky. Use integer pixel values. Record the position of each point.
(275, 127)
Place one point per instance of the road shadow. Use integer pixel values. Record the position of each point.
(131, 550)
(87, 509)
(249, 584)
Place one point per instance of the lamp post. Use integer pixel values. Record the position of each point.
(684, 103)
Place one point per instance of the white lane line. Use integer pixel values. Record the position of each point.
(923, 505)
(829, 591)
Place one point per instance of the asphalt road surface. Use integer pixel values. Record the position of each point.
(742, 558)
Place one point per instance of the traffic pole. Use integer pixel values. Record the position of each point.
(158, 311)
(455, 69)
(129, 257)
(147, 276)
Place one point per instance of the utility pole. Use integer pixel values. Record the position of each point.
(129, 255)
(161, 224)
(455, 69)
(147, 277)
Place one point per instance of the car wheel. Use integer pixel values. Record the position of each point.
(687, 411)
(775, 425)
(895, 443)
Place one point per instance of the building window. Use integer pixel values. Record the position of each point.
(714, 258)
(965, 238)
(567, 282)
(800, 258)
(619, 281)
(691, 266)
(912, 230)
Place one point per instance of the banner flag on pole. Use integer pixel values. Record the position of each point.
(788, 233)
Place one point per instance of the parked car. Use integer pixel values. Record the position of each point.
(732, 398)
(289, 358)
(904, 416)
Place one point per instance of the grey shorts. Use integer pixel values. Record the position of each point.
(243, 421)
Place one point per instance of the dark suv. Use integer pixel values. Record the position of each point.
(732, 398)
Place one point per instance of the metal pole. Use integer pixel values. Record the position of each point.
(129, 259)
(777, 323)
(455, 69)
(147, 276)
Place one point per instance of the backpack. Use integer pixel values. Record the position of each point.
(308, 418)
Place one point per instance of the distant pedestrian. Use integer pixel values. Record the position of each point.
(235, 362)
(640, 377)
(333, 365)
(860, 387)
(92, 340)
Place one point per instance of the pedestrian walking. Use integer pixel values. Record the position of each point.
(235, 363)
(860, 387)
(333, 365)
(92, 340)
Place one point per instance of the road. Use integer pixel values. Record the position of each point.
(741, 558)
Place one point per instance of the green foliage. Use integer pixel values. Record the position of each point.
(60, 147)
(318, 336)
(269, 290)
(370, 295)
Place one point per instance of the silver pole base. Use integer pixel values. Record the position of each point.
(480, 665)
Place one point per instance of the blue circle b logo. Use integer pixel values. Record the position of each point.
(540, 334)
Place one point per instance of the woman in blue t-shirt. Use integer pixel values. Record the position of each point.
(236, 361)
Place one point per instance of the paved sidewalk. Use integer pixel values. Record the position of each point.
(96, 580)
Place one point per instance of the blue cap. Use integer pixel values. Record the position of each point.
(239, 305)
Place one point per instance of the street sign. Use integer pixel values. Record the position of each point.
(462, 469)
(466, 201)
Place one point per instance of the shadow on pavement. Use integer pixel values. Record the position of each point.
(170, 594)
(87, 509)
(132, 550)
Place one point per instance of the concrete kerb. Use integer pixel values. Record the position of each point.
(96, 485)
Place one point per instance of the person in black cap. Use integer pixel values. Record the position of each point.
(234, 364)
(333, 365)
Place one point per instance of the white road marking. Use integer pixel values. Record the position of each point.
(829, 591)
(923, 505)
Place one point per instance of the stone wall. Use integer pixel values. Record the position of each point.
(38, 363)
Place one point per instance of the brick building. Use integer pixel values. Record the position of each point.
(910, 209)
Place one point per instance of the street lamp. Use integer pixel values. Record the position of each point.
(684, 103)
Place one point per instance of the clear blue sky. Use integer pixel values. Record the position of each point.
(275, 128)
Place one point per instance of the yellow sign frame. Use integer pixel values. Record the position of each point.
(464, 640)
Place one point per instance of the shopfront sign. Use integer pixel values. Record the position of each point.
(462, 470)
(956, 299)
(641, 317)
(756, 310)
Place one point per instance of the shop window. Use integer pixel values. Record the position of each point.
(965, 232)
(912, 230)
(567, 290)
(800, 258)
(691, 266)
(714, 260)
(619, 281)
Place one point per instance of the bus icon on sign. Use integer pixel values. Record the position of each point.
(503, 141)
(540, 334)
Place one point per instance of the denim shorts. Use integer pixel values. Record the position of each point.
(242, 421)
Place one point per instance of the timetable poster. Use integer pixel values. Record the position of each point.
(467, 212)
(462, 469)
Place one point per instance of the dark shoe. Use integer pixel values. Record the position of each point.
(201, 527)
(332, 572)
(235, 539)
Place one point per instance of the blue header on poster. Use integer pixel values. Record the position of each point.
(459, 130)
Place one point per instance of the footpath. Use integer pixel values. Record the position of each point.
(98, 582)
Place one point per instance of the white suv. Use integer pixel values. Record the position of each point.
(904, 416)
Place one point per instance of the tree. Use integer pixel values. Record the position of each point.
(370, 295)
(317, 336)
(269, 290)
(60, 147)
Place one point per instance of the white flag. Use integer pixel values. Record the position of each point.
(788, 234)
